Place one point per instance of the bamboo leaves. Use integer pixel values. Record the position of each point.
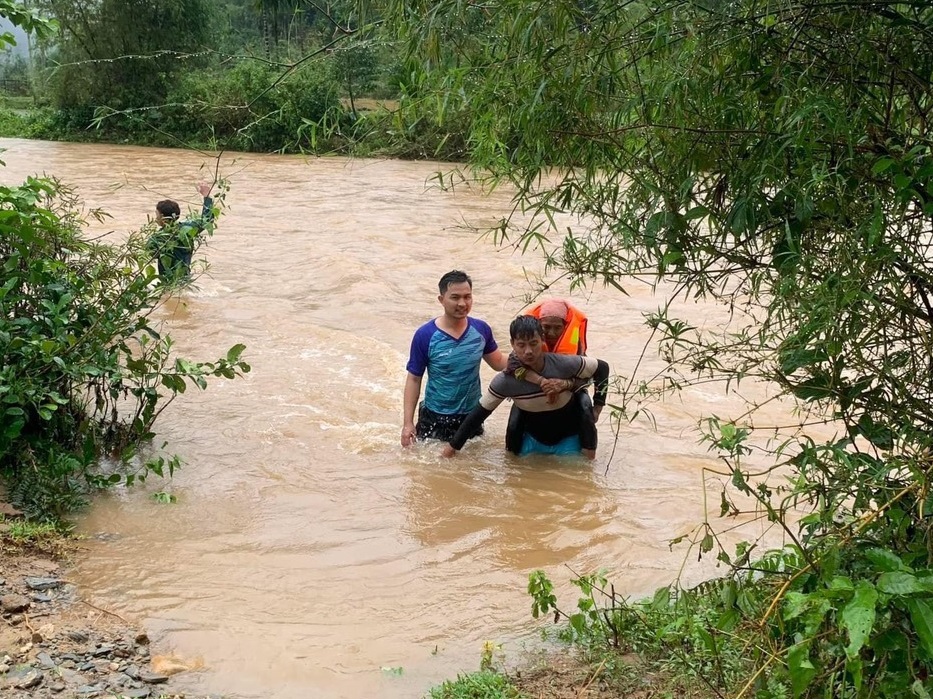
(774, 158)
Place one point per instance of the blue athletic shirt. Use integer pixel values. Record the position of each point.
(452, 364)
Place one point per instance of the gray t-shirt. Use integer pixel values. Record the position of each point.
(528, 396)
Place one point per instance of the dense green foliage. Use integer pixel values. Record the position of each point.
(283, 118)
(227, 74)
(123, 53)
(718, 638)
(221, 74)
(84, 373)
(693, 642)
(775, 158)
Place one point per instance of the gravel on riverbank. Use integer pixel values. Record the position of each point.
(56, 645)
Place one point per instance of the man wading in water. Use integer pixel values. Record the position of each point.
(563, 331)
(174, 242)
(449, 348)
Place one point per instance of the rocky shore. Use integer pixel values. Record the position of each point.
(55, 645)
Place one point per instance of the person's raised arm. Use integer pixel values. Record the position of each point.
(207, 207)
(410, 401)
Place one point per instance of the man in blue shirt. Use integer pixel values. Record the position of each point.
(449, 348)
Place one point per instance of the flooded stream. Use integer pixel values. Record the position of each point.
(307, 552)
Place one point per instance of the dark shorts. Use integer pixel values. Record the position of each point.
(433, 425)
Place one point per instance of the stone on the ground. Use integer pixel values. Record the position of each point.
(71, 677)
(23, 677)
(36, 583)
(168, 665)
(68, 658)
(116, 680)
(139, 693)
(13, 603)
(153, 678)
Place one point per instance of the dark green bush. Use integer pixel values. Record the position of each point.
(240, 109)
(83, 373)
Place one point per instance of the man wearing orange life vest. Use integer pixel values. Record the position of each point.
(564, 332)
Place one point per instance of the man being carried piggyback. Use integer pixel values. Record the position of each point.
(551, 426)
(563, 331)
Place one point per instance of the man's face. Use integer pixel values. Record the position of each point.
(553, 328)
(457, 300)
(529, 350)
(159, 218)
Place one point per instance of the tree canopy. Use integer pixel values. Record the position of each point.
(124, 54)
(773, 156)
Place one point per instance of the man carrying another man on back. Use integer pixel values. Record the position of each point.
(563, 331)
(449, 348)
(551, 427)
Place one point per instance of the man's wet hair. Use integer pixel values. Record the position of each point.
(525, 328)
(169, 209)
(455, 276)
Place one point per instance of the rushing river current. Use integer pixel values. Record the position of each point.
(308, 554)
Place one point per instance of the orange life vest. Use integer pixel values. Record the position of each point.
(573, 339)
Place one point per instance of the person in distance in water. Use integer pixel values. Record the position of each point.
(174, 242)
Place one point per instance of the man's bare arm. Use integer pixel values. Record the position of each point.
(410, 402)
(472, 422)
(496, 360)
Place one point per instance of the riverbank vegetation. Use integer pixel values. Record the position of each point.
(775, 158)
(284, 77)
(771, 157)
(84, 371)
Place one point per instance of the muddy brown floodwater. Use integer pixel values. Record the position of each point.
(308, 554)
